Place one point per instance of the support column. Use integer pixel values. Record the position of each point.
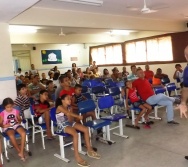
(7, 79)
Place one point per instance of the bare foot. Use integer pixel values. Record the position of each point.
(79, 159)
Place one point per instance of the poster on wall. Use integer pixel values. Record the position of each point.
(51, 57)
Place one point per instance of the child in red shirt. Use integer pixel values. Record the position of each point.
(131, 94)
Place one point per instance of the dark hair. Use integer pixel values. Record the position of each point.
(73, 64)
(77, 86)
(35, 76)
(21, 76)
(20, 86)
(138, 69)
(56, 76)
(104, 70)
(132, 66)
(177, 65)
(49, 82)
(58, 101)
(7, 101)
(26, 72)
(43, 91)
(62, 77)
(19, 69)
(159, 69)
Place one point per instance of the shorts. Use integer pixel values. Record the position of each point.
(15, 127)
(62, 125)
(138, 103)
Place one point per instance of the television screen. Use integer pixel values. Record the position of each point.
(51, 57)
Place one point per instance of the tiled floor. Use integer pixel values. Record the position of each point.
(162, 146)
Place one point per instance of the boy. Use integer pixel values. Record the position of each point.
(22, 101)
(78, 97)
(67, 89)
(42, 109)
(51, 90)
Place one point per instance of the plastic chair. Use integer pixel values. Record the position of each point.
(87, 95)
(107, 102)
(116, 94)
(84, 89)
(61, 138)
(110, 83)
(172, 87)
(97, 92)
(37, 128)
(6, 141)
(95, 83)
(87, 106)
(87, 83)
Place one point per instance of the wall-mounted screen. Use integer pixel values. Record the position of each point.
(51, 57)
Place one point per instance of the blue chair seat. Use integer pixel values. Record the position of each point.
(135, 108)
(114, 117)
(17, 135)
(96, 124)
(43, 125)
(62, 134)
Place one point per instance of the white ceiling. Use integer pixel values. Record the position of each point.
(168, 9)
(10, 9)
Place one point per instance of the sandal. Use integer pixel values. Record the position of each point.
(83, 164)
(93, 154)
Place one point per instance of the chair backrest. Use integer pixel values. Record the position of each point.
(158, 90)
(165, 81)
(105, 102)
(87, 83)
(1, 108)
(114, 91)
(120, 84)
(150, 81)
(171, 87)
(98, 89)
(86, 106)
(87, 95)
(84, 89)
(95, 83)
(32, 110)
(109, 82)
(53, 114)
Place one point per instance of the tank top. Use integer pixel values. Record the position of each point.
(132, 95)
(61, 117)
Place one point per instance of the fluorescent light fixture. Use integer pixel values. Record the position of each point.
(85, 2)
(22, 29)
(119, 32)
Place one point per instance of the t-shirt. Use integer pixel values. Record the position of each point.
(9, 117)
(23, 102)
(179, 75)
(149, 74)
(34, 72)
(133, 95)
(78, 98)
(185, 77)
(143, 88)
(131, 77)
(70, 92)
(39, 105)
(156, 81)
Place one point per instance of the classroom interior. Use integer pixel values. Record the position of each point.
(76, 28)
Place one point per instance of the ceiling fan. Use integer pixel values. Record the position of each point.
(145, 9)
(61, 33)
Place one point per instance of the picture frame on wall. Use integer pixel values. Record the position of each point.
(51, 56)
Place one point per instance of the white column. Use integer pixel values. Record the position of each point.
(7, 79)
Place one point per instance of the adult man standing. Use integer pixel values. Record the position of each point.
(148, 73)
(147, 94)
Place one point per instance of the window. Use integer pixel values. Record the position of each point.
(110, 54)
(157, 49)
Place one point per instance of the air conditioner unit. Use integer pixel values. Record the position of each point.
(84, 2)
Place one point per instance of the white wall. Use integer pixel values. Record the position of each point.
(67, 51)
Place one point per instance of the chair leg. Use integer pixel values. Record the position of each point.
(80, 145)
(62, 151)
(26, 144)
(5, 146)
(33, 134)
(120, 130)
(42, 136)
(133, 117)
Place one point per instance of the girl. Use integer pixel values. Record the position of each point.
(131, 93)
(65, 120)
(11, 123)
